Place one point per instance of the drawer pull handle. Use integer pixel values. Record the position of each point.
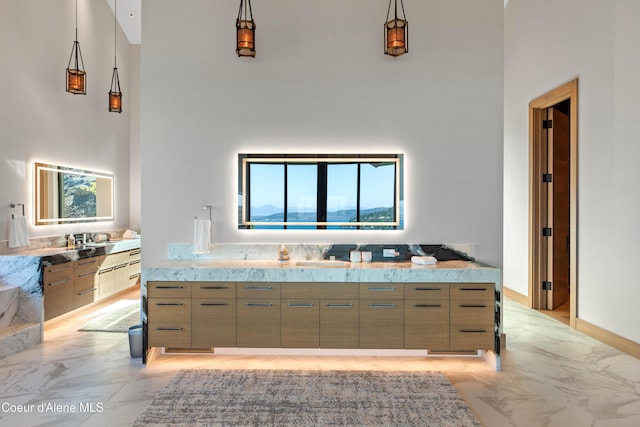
(258, 288)
(135, 261)
(214, 287)
(259, 304)
(427, 289)
(427, 305)
(382, 289)
(135, 252)
(90, 261)
(214, 304)
(88, 291)
(479, 331)
(108, 270)
(380, 305)
(300, 305)
(91, 273)
(169, 329)
(134, 276)
(473, 305)
(171, 304)
(339, 305)
(474, 289)
(169, 287)
(59, 282)
(60, 269)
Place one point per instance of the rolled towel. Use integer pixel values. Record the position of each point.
(424, 260)
(201, 236)
(18, 234)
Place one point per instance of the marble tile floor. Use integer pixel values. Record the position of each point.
(552, 376)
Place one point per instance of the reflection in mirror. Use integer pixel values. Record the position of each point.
(328, 191)
(68, 195)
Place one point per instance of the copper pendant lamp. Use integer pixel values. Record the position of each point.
(245, 31)
(396, 32)
(115, 94)
(76, 76)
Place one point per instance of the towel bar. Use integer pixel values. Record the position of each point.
(15, 205)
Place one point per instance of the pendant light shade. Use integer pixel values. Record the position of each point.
(245, 31)
(396, 32)
(115, 94)
(76, 76)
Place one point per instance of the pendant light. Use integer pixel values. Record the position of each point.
(396, 32)
(115, 95)
(245, 31)
(76, 77)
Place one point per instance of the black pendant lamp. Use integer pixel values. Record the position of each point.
(396, 32)
(115, 95)
(76, 77)
(245, 31)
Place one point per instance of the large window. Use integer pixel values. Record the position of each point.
(290, 191)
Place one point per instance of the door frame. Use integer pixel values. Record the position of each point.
(536, 138)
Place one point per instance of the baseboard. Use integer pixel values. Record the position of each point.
(516, 296)
(623, 344)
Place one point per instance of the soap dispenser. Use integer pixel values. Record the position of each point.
(283, 255)
(71, 241)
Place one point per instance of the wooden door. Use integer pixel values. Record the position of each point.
(558, 207)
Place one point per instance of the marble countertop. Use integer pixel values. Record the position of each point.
(290, 271)
(71, 254)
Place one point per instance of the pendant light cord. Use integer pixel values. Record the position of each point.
(115, 14)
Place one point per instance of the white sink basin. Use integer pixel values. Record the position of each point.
(321, 263)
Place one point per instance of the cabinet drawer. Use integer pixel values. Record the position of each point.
(424, 291)
(213, 323)
(258, 323)
(381, 291)
(134, 267)
(339, 323)
(472, 312)
(213, 290)
(58, 297)
(471, 337)
(317, 290)
(175, 334)
(300, 323)
(116, 258)
(165, 310)
(135, 255)
(84, 295)
(86, 266)
(381, 324)
(472, 291)
(169, 290)
(57, 273)
(426, 324)
(258, 290)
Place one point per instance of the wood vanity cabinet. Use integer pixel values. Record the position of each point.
(472, 316)
(258, 315)
(213, 314)
(58, 289)
(169, 314)
(426, 316)
(85, 281)
(381, 323)
(135, 260)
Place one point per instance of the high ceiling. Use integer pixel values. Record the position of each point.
(130, 18)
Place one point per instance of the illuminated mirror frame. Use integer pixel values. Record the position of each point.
(244, 190)
(40, 197)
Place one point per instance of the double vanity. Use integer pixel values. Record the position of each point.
(203, 304)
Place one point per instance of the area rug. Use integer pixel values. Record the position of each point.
(200, 397)
(117, 317)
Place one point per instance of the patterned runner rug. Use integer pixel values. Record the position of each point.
(201, 397)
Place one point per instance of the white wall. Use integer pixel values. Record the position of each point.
(320, 83)
(547, 43)
(39, 121)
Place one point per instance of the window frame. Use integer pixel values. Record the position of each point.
(321, 161)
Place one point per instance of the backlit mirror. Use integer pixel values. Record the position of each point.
(68, 195)
(328, 191)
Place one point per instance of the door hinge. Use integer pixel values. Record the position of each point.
(547, 124)
(547, 232)
(547, 177)
(547, 286)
